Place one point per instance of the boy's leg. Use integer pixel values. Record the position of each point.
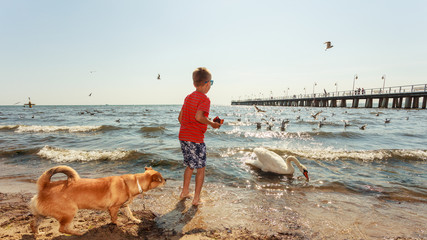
(200, 178)
(187, 178)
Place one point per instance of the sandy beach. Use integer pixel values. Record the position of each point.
(15, 219)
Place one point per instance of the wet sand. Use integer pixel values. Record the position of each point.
(226, 213)
(15, 219)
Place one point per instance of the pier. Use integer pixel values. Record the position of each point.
(408, 97)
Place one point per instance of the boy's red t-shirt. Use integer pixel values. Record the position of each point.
(191, 130)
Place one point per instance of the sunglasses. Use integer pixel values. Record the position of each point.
(211, 82)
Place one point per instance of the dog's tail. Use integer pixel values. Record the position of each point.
(44, 179)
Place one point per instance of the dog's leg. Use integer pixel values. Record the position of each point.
(66, 226)
(37, 218)
(128, 213)
(113, 213)
(35, 224)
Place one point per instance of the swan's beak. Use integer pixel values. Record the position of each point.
(306, 175)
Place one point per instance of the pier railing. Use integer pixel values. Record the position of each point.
(412, 94)
(347, 93)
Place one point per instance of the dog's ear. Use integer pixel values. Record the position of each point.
(148, 168)
(157, 177)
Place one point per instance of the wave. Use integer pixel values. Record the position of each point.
(18, 152)
(330, 154)
(290, 135)
(8, 127)
(49, 129)
(362, 155)
(153, 129)
(68, 155)
(345, 134)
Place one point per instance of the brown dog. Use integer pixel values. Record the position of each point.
(61, 199)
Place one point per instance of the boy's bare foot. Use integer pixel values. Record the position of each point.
(184, 195)
(197, 202)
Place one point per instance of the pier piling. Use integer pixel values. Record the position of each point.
(408, 96)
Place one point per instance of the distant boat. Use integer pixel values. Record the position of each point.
(29, 103)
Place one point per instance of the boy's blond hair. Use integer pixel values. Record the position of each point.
(200, 75)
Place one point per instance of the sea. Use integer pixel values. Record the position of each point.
(365, 183)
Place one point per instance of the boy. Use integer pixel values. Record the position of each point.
(194, 120)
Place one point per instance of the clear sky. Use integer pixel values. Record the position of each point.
(48, 48)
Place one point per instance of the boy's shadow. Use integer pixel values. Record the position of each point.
(175, 220)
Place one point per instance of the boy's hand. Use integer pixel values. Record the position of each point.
(215, 125)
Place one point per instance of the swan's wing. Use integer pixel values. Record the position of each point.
(271, 162)
(255, 163)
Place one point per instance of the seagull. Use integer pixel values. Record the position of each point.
(387, 120)
(363, 127)
(321, 124)
(346, 123)
(315, 115)
(92, 71)
(118, 120)
(328, 45)
(258, 125)
(258, 110)
(158, 76)
(284, 125)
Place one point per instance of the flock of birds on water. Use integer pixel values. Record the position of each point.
(316, 116)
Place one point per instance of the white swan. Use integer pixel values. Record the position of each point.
(269, 161)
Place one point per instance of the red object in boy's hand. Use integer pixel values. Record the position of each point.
(218, 120)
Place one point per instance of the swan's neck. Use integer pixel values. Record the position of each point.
(294, 160)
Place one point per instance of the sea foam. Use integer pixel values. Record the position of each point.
(49, 129)
(68, 155)
(360, 155)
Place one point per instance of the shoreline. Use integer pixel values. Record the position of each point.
(179, 220)
(15, 219)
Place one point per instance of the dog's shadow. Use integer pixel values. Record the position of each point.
(169, 225)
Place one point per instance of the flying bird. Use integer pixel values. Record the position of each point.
(258, 110)
(315, 115)
(328, 45)
(284, 125)
(90, 95)
(158, 76)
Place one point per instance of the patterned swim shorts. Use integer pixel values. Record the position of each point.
(194, 154)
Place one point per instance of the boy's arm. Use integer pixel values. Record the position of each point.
(180, 116)
(200, 117)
